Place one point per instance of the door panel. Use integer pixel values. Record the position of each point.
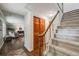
(42, 39)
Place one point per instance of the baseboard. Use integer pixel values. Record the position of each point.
(27, 52)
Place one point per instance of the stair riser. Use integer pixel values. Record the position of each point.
(66, 45)
(56, 53)
(65, 51)
(67, 27)
(60, 54)
(70, 24)
(69, 47)
(72, 19)
(67, 34)
(74, 32)
(72, 12)
(73, 38)
(70, 16)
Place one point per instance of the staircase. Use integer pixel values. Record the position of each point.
(66, 40)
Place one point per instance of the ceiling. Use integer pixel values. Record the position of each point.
(70, 6)
(42, 9)
(14, 7)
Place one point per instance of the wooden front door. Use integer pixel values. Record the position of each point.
(39, 27)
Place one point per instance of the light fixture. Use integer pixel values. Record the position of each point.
(50, 15)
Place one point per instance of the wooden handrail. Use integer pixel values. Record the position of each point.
(60, 7)
(49, 25)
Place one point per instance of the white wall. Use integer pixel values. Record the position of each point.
(29, 26)
(14, 19)
(3, 31)
(3, 19)
(28, 43)
(70, 6)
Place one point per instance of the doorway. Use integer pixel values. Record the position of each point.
(14, 39)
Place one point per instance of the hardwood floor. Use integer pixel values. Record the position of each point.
(14, 48)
